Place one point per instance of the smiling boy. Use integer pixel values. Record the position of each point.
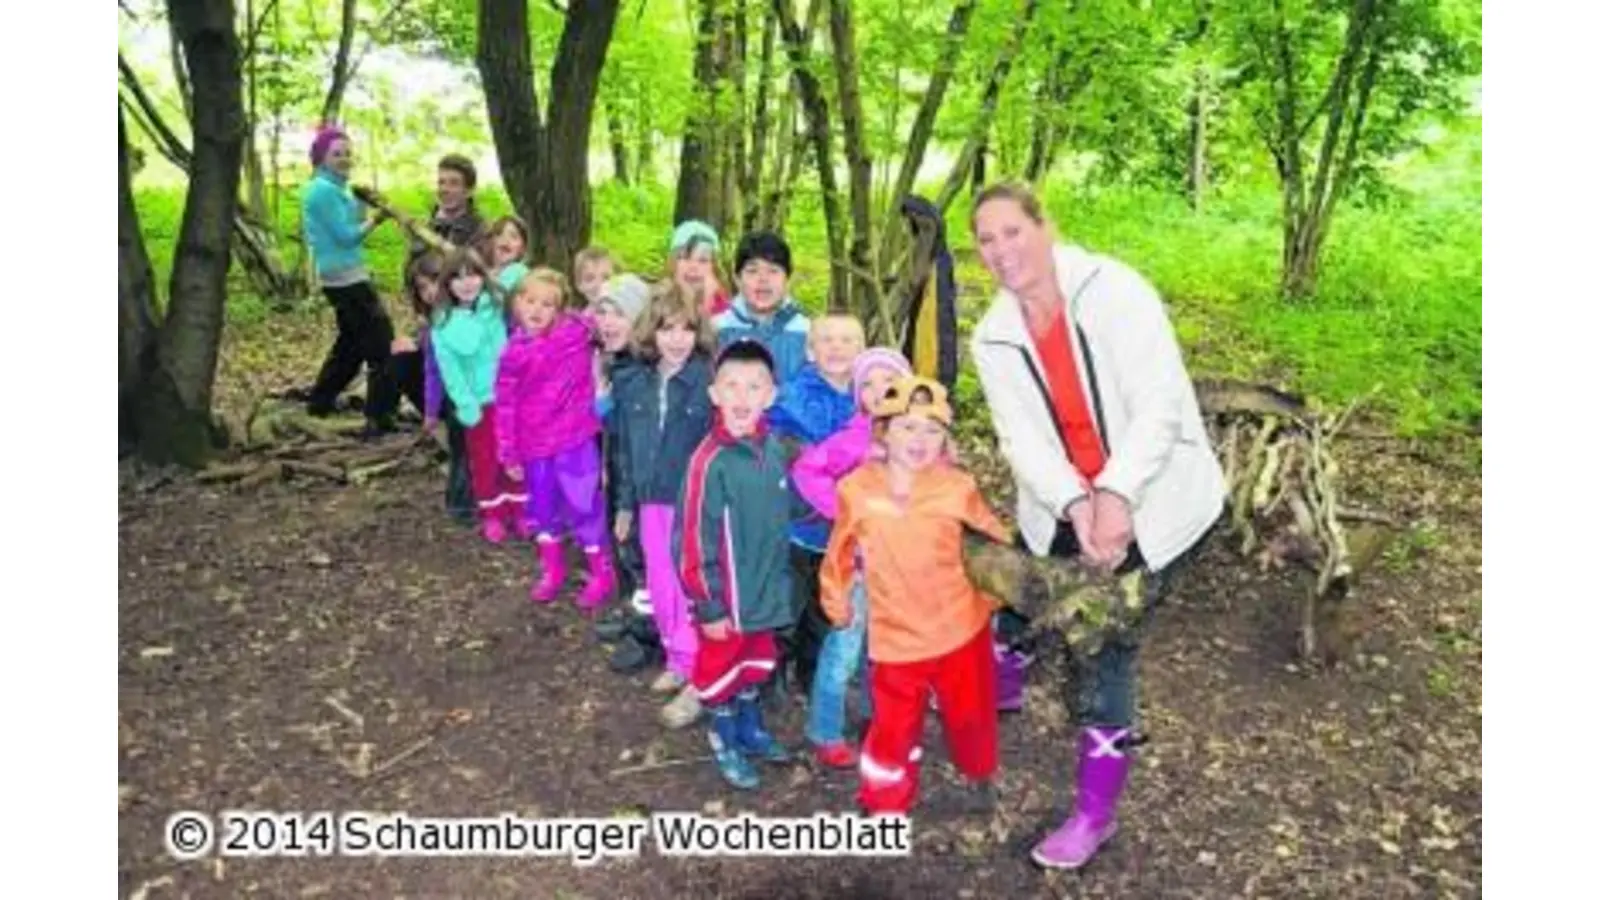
(731, 536)
(764, 311)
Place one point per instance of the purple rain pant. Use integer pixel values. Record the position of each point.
(564, 495)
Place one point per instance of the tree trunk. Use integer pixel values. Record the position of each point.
(969, 164)
(644, 155)
(750, 191)
(863, 294)
(174, 395)
(702, 156)
(797, 43)
(341, 63)
(1195, 179)
(619, 146)
(136, 327)
(544, 163)
(1055, 93)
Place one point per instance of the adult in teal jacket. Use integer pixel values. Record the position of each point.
(335, 226)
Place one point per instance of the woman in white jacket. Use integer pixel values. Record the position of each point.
(1099, 423)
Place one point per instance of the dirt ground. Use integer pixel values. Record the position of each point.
(305, 647)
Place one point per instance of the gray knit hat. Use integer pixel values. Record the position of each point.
(628, 293)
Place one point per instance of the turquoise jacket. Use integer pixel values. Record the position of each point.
(784, 335)
(332, 218)
(468, 344)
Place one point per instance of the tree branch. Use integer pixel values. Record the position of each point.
(991, 102)
(149, 118)
(1356, 41)
(341, 62)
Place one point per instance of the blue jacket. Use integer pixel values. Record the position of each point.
(810, 410)
(651, 450)
(468, 344)
(784, 335)
(332, 218)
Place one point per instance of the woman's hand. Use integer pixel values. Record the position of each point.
(624, 525)
(1112, 528)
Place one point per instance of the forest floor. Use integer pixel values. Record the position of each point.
(301, 647)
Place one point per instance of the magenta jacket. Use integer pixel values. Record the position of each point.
(816, 474)
(544, 392)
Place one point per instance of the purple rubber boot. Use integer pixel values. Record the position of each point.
(1102, 771)
(1011, 675)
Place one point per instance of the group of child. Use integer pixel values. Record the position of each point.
(779, 477)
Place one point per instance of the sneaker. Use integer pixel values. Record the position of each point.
(731, 764)
(836, 755)
(632, 656)
(612, 626)
(668, 682)
(683, 710)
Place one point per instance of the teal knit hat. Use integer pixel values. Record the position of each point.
(692, 232)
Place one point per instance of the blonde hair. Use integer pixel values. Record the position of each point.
(844, 318)
(1015, 191)
(670, 304)
(544, 275)
(589, 256)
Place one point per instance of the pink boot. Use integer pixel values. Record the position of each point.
(1102, 771)
(494, 530)
(601, 580)
(554, 573)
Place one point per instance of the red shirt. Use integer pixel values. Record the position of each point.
(1068, 398)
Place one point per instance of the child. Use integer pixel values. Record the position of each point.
(455, 213)
(414, 371)
(508, 251)
(616, 308)
(662, 413)
(546, 389)
(811, 406)
(592, 269)
(620, 303)
(816, 477)
(927, 626)
(731, 538)
(764, 310)
(693, 259)
(468, 337)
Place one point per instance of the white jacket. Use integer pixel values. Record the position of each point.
(1159, 455)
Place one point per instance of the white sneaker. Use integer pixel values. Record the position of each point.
(668, 682)
(683, 710)
(641, 602)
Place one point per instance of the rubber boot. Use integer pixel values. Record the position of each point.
(553, 570)
(724, 737)
(602, 580)
(1011, 675)
(1103, 764)
(754, 738)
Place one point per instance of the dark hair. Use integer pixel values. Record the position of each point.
(671, 303)
(766, 246)
(500, 225)
(746, 350)
(428, 264)
(461, 261)
(455, 162)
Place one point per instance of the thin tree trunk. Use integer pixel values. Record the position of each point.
(174, 395)
(136, 329)
(863, 293)
(180, 72)
(619, 146)
(341, 63)
(1195, 181)
(754, 164)
(695, 157)
(797, 44)
(968, 166)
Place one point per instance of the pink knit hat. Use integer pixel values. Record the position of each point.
(320, 144)
(876, 358)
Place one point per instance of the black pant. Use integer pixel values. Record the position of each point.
(365, 333)
(803, 641)
(630, 555)
(405, 376)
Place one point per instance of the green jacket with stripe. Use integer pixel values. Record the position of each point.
(731, 532)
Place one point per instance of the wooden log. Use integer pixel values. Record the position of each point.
(299, 467)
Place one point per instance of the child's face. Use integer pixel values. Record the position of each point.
(742, 391)
(427, 288)
(675, 341)
(874, 386)
(613, 326)
(835, 343)
(537, 305)
(508, 246)
(692, 270)
(465, 286)
(763, 284)
(340, 157)
(592, 279)
(914, 441)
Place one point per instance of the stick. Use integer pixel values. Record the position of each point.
(656, 766)
(230, 472)
(400, 757)
(296, 467)
(271, 471)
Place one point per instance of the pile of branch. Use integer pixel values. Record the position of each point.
(1284, 510)
(279, 439)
